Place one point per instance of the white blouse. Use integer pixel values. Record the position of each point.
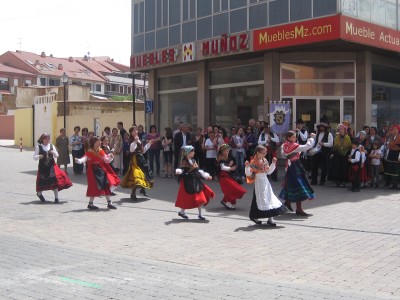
(46, 148)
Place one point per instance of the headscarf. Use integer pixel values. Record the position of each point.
(185, 151)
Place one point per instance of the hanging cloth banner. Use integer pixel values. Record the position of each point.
(279, 117)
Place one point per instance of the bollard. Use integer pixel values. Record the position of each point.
(20, 145)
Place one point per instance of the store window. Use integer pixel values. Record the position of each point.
(150, 41)
(150, 9)
(162, 38)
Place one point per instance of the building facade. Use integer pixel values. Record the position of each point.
(214, 61)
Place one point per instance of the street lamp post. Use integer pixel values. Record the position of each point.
(64, 80)
(133, 99)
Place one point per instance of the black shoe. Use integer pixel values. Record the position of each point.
(271, 223)
(302, 213)
(355, 190)
(113, 194)
(258, 222)
(288, 206)
(201, 217)
(226, 206)
(56, 200)
(143, 192)
(92, 206)
(111, 206)
(183, 215)
(41, 198)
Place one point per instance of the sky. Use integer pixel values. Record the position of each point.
(67, 28)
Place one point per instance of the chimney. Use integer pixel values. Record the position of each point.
(51, 55)
(60, 66)
(43, 54)
(85, 58)
(18, 51)
(70, 59)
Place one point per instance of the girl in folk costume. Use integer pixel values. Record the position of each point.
(225, 168)
(192, 192)
(264, 204)
(355, 161)
(364, 172)
(49, 175)
(100, 176)
(341, 149)
(138, 175)
(296, 187)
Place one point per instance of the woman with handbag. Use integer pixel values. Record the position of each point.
(192, 192)
(264, 204)
(100, 176)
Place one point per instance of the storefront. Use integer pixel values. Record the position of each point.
(332, 68)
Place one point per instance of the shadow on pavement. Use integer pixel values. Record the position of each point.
(178, 221)
(82, 210)
(129, 200)
(293, 217)
(259, 227)
(38, 202)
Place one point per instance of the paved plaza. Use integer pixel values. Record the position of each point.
(348, 249)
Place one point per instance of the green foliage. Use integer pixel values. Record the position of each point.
(122, 98)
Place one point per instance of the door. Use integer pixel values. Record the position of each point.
(329, 111)
(306, 109)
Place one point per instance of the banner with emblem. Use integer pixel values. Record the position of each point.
(188, 51)
(279, 117)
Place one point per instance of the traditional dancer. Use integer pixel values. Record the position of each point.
(101, 178)
(296, 187)
(192, 192)
(138, 175)
(49, 175)
(355, 161)
(225, 170)
(264, 204)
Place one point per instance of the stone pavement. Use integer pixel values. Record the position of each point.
(348, 249)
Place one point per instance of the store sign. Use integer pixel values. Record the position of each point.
(226, 44)
(154, 58)
(370, 34)
(312, 31)
(188, 52)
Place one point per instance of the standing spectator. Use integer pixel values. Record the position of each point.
(77, 150)
(198, 143)
(154, 150)
(323, 140)
(383, 131)
(62, 145)
(121, 128)
(126, 153)
(85, 140)
(238, 144)
(252, 142)
(252, 124)
(211, 146)
(372, 138)
(375, 156)
(181, 139)
(167, 141)
(107, 131)
(393, 157)
(116, 148)
(179, 129)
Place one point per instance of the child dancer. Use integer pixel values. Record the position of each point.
(355, 161)
(264, 204)
(192, 192)
(100, 176)
(375, 156)
(225, 169)
(49, 175)
(296, 187)
(139, 174)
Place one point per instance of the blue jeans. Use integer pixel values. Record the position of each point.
(239, 172)
(154, 154)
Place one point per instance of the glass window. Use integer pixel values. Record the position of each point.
(306, 109)
(385, 74)
(244, 102)
(150, 41)
(175, 35)
(138, 43)
(135, 23)
(189, 9)
(158, 13)
(204, 8)
(324, 7)
(188, 80)
(238, 3)
(300, 10)
(318, 70)
(238, 20)
(54, 82)
(379, 9)
(178, 107)
(4, 85)
(150, 9)
(349, 7)
(237, 74)
(278, 12)
(258, 16)
(162, 38)
(220, 24)
(174, 12)
(318, 89)
(140, 17)
(364, 10)
(348, 110)
(204, 28)
(391, 15)
(165, 13)
(189, 32)
(98, 88)
(385, 104)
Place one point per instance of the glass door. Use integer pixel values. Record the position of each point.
(306, 109)
(329, 111)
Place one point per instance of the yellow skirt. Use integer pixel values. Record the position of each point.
(135, 177)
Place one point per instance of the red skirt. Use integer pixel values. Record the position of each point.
(112, 179)
(354, 171)
(364, 177)
(57, 180)
(231, 189)
(188, 201)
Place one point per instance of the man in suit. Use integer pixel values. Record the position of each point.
(181, 139)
